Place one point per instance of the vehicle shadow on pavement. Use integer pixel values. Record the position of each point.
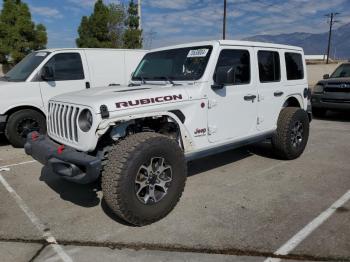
(88, 195)
(337, 116)
(198, 166)
(263, 149)
(3, 141)
(82, 195)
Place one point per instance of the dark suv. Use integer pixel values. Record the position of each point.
(333, 92)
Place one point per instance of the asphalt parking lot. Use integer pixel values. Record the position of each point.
(242, 205)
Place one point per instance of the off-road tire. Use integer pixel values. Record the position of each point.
(12, 126)
(319, 112)
(120, 170)
(282, 139)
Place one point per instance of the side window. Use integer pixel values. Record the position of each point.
(269, 66)
(239, 60)
(294, 64)
(67, 66)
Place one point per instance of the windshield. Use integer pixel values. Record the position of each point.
(176, 64)
(342, 71)
(23, 69)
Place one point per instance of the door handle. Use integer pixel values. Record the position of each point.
(278, 93)
(87, 85)
(250, 98)
(113, 84)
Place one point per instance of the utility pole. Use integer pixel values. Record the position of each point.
(139, 13)
(332, 21)
(224, 22)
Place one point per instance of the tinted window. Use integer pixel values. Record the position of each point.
(294, 64)
(269, 66)
(175, 64)
(67, 66)
(239, 60)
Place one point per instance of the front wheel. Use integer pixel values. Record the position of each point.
(144, 177)
(21, 123)
(292, 133)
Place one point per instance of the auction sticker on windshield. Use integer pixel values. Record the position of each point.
(198, 53)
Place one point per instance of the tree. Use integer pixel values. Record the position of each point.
(132, 35)
(104, 28)
(18, 33)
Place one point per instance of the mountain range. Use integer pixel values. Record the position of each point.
(314, 44)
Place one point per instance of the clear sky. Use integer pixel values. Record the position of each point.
(178, 21)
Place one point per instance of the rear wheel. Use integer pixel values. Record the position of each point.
(292, 133)
(21, 123)
(144, 177)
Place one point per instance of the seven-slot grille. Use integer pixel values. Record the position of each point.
(62, 121)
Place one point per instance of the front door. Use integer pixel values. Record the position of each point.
(69, 75)
(232, 112)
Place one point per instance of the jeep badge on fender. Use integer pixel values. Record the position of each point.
(184, 102)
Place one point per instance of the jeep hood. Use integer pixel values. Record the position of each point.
(125, 97)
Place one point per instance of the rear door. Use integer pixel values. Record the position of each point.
(70, 74)
(233, 109)
(270, 87)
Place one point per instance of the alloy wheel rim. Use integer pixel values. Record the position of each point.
(26, 126)
(297, 134)
(153, 181)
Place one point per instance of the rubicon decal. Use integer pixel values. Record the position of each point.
(146, 101)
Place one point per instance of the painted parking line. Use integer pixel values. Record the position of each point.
(292, 243)
(18, 164)
(49, 238)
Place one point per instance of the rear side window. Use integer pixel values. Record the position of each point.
(67, 66)
(239, 60)
(294, 64)
(269, 66)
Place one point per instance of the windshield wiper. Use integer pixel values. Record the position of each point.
(167, 78)
(143, 81)
(6, 78)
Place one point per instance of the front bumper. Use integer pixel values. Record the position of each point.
(334, 100)
(67, 163)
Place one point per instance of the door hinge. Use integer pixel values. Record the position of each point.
(212, 103)
(212, 130)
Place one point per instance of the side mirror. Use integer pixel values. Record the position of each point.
(47, 74)
(224, 75)
(326, 76)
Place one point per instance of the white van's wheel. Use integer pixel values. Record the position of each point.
(144, 177)
(21, 123)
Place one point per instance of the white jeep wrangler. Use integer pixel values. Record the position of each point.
(184, 102)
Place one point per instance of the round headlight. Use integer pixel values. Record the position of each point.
(85, 120)
(318, 89)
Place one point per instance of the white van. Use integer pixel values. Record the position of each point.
(26, 89)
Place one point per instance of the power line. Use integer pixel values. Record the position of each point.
(331, 21)
(224, 21)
